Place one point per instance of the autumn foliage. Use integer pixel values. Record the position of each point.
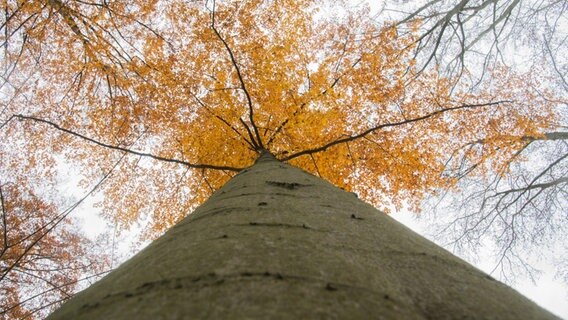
(43, 256)
(159, 103)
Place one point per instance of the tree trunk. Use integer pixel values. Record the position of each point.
(277, 242)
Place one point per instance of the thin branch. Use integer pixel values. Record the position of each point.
(53, 289)
(386, 125)
(113, 147)
(258, 141)
(543, 185)
(316, 165)
(255, 145)
(202, 104)
(4, 226)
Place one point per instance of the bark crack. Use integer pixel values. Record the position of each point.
(213, 279)
(287, 185)
(279, 225)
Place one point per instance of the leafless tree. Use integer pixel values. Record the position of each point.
(517, 212)
(521, 209)
(473, 36)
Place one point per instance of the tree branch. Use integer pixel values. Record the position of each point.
(543, 185)
(4, 227)
(301, 107)
(557, 135)
(531, 185)
(258, 141)
(386, 125)
(113, 147)
(73, 282)
(202, 104)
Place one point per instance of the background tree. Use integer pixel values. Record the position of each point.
(43, 256)
(472, 36)
(518, 209)
(161, 102)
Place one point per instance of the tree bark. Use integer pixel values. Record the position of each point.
(277, 242)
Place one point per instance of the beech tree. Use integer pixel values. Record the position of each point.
(159, 103)
(277, 242)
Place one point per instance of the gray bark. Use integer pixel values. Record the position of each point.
(277, 242)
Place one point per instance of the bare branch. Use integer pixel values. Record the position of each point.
(4, 311)
(532, 186)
